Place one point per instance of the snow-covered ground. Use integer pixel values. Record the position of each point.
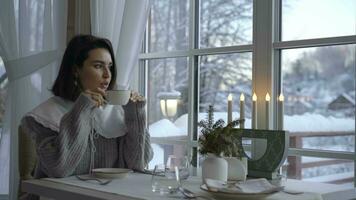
(157, 156)
(296, 123)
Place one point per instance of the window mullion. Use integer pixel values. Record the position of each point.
(344, 40)
(193, 91)
(276, 60)
(262, 64)
(198, 52)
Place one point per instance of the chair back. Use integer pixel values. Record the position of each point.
(27, 158)
(27, 155)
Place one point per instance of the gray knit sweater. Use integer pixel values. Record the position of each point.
(68, 151)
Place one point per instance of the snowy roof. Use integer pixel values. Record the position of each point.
(349, 97)
(317, 123)
(169, 95)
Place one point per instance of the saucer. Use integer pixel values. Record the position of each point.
(111, 173)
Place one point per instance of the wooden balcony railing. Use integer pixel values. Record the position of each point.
(295, 164)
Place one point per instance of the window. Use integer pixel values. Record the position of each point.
(169, 25)
(302, 19)
(169, 63)
(225, 23)
(318, 80)
(221, 75)
(319, 83)
(167, 81)
(198, 52)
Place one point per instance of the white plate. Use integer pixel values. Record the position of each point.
(226, 195)
(111, 173)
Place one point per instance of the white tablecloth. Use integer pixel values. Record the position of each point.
(139, 186)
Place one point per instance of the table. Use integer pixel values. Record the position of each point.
(138, 186)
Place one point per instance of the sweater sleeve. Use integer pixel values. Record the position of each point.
(135, 146)
(60, 152)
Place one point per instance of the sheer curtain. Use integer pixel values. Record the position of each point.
(123, 22)
(32, 40)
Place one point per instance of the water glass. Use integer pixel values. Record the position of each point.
(281, 179)
(181, 162)
(283, 173)
(162, 182)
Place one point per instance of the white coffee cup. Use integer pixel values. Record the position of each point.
(118, 97)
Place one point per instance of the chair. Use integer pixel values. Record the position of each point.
(27, 158)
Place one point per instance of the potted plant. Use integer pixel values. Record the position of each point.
(216, 141)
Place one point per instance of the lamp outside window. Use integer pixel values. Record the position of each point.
(169, 102)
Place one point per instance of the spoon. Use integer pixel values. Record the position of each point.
(187, 193)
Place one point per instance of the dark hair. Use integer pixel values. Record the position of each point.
(74, 56)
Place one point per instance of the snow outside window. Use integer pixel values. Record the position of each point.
(317, 78)
(319, 87)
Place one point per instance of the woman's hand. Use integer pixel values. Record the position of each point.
(96, 96)
(135, 96)
(136, 101)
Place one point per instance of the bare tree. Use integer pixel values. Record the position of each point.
(222, 23)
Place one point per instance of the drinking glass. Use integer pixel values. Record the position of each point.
(162, 182)
(283, 172)
(281, 179)
(177, 161)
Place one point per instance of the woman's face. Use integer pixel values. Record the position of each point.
(95, 74)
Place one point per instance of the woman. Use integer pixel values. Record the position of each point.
(75, 131)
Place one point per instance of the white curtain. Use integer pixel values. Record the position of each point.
(123, 22)
(32, 40)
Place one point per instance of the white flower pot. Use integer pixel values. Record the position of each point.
(237, 168)
(214, 167)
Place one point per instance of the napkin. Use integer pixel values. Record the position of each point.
(251, 186)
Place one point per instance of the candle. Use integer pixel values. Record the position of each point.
(229, 108)
(280, 112)
(254, 111)
(268, 99)
(242, 110)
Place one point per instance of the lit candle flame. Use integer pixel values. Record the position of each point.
(229, 98)
(281, 97)
(254, 97)
(242, 97)
(268, 98)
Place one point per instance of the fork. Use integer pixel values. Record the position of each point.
(87, 178)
